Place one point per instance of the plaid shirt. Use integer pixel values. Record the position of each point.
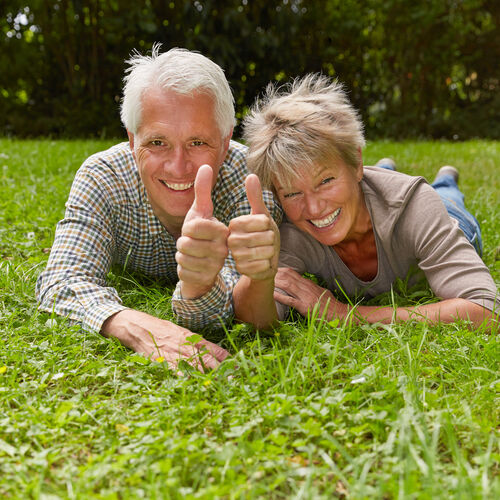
(109, 220)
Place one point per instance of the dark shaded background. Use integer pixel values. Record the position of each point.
(413, 68)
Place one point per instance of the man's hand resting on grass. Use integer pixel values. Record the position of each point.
(158, 338)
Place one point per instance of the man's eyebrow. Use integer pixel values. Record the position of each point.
(199, 137)
(151, 137)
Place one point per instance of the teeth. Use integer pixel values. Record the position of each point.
(178, 187)
(327, 220)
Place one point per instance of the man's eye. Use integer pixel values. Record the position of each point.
(327, 180)
(290, 195)
(157, 142)
(197, 143)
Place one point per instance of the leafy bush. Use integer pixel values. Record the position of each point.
(414, 69)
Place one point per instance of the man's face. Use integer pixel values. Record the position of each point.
(178, 134)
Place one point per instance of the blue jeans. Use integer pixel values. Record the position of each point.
(453, 200)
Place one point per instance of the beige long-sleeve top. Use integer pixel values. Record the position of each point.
(413, 234)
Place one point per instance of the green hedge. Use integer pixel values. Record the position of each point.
(413, 69)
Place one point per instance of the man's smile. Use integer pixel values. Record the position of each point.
(178, 186)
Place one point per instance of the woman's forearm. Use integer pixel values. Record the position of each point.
(445, 311)
(254, 302)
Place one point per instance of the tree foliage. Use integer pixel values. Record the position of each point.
(412, 68)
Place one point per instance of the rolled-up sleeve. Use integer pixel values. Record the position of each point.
(74, 281)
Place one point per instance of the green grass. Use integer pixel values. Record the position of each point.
(315, 410)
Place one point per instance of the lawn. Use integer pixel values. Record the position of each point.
(311, 410)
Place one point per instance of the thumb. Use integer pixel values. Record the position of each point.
(254, 195)
(202, 205)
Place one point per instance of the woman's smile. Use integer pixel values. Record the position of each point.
(326, 221)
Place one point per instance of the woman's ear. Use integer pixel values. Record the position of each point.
(359, 172)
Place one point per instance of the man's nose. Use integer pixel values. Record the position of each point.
(178, 163)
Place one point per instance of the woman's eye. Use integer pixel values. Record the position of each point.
(290, 195)
(327, 180)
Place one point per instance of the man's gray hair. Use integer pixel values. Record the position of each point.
(181, 71)
(300, 125)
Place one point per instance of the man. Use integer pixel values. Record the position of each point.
(137, 203)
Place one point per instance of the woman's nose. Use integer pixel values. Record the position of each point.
(313, 204)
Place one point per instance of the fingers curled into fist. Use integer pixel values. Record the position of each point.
(202, 246)
(254, 239)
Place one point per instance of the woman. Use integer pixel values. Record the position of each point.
(356, 228)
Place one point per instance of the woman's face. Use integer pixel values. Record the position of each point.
(325, 202)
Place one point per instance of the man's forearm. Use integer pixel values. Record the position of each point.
(192, 291)
(214, 309)
(84, 302)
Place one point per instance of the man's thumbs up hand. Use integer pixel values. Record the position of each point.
(202, 205)
(254, 239)
(202, 247)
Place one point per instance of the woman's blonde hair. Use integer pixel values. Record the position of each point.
(300, 125)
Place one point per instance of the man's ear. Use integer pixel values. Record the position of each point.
(227, 140)
(131, 141)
